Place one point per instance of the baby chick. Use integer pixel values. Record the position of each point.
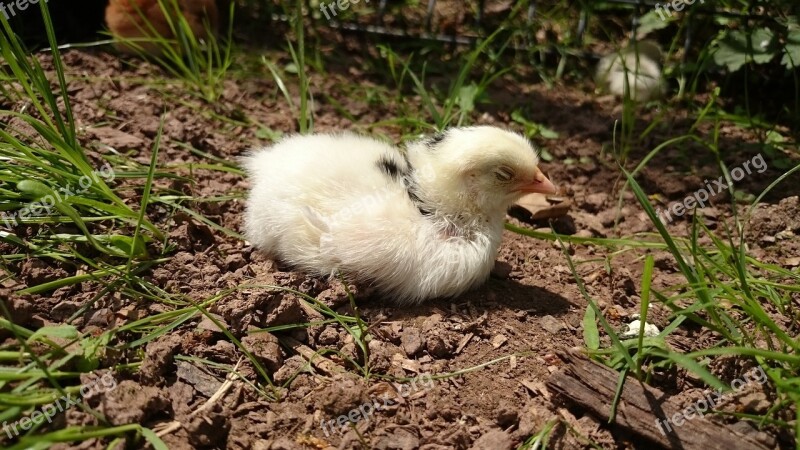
(636, 69)
(135, 19)
(418, 223)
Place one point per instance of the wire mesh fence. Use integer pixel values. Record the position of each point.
(464, 23)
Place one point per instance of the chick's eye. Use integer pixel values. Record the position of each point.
(504, 174)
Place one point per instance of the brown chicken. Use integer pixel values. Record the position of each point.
(128, 19)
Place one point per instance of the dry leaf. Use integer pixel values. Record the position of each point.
(540, 206)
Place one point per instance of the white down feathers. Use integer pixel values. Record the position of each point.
(634, 71)
(339, 203)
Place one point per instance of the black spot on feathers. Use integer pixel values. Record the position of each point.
(412, 194)
(389, 167)
(435, 139)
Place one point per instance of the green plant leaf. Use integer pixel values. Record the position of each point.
(153, 439)
(791, 50)
(63, 331)
(652, 21)
(532, 128)
(33, 189)
(736, 48)
(591, 335)
(129, 246)
(466, 97)
(92, 348)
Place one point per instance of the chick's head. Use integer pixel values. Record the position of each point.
(480, 170)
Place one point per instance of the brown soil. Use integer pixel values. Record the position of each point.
(530, 307)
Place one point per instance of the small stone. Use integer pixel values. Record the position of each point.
(115, 138)
(64, 309)
(283, 311)
(235, 261)
(755, 403)
(618, 312)
(99, 318)
(265, 348)
(710, 212)
(328, 336)
(501, 270)
(608, 217)
(437, 347)
(411, 341)
(594, 202)
(551, 324)
(665, 262)
(551, 359)
(494, 440)
(206, 324)
(201, 380)
(747, 429)
(261, 444)
(506, 415)
(292, 366)
(792, 262)
(499, 340)
(431, 322)
(400, 439)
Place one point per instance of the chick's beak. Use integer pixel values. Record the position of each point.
(540, 184)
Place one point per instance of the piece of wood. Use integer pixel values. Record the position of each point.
(320, 362)
(642, 409)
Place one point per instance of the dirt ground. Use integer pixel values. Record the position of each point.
(531, 307)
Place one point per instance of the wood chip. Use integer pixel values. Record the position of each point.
(320, 362)
(411, 365)
(463, 342)
(642, 409)
(536, 388)
(499, 340)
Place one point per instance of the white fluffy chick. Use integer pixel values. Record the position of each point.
(415, 223)
(634, 69)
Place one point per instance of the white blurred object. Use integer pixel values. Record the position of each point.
(650, 330)
(635, 70)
